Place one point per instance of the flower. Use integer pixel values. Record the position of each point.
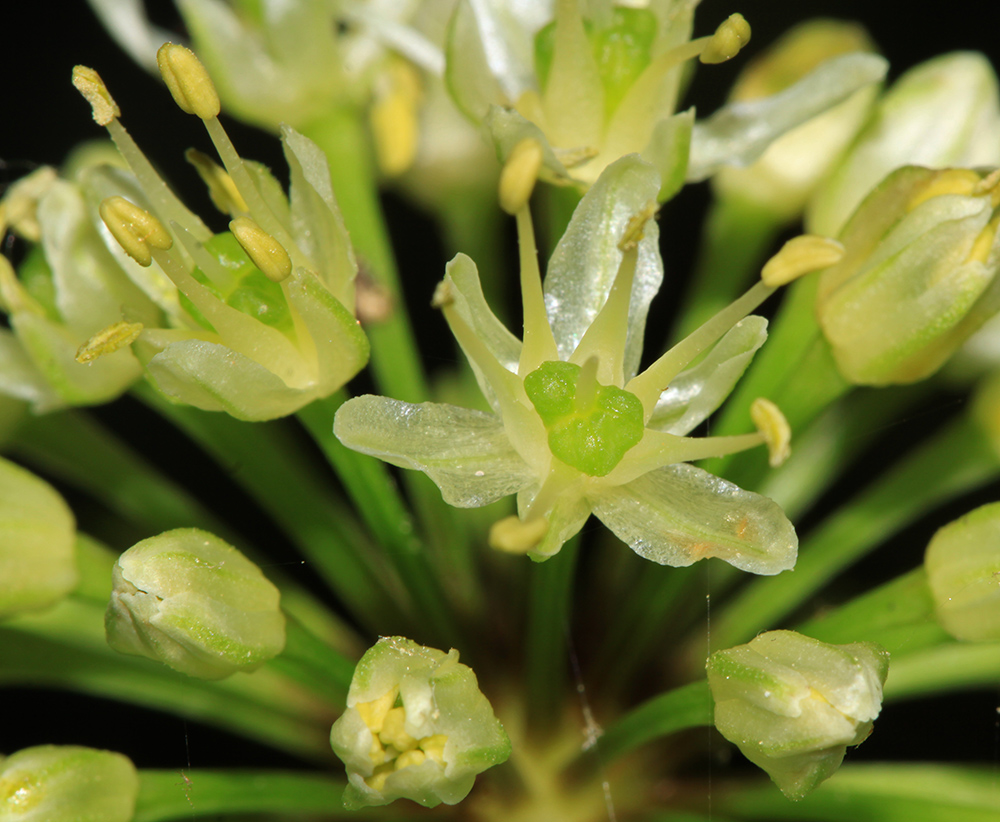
(792, 704)
(574, 429)
(416, 727)
(262, 314)
(191, 601)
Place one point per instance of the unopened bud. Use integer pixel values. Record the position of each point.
(190, 600)
(188, 81)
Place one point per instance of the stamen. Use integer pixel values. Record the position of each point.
(265, 252)
(220, 185)
(539, 345)
(729, 38)
(108, 340)
(519, 175)
(773, 426)
(188, 82)
(135, 229)
(801, 255)
(89, 83)
(648, 385)
(512, 536)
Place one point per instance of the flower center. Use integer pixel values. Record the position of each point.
(590, 426)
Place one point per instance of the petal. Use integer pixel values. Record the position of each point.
(473, 83)
(584, 264)
(680, 514)
(508, 128)
(466, 453)
(740, 132)
(20, 378)
(697, 391)
(213, 377)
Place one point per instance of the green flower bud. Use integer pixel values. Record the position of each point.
(944, 112)
(37, 538)
(793, 704)
(66, 783)
(918, 276)
(963, 569)
(416, 727)
(195, 603)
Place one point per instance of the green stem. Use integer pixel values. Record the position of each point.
(890, 793)
(689, 706)
(952, 462)
(64, 647)
(735, 240)
(341, 135)
(313, 663)
(898, 615)
(269, 464)
(180, 795)
(376, 497)
(549, 601)
(951, 666)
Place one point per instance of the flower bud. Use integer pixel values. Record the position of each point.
(37, 539)
(944, 112)
(66, 783)
(792, 704)
(195, 603)
(918, 276)
(416, 727)
(963, 570)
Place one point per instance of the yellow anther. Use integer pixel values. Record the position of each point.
(573, 157)
(265, 251)
(108, 340)
(515, 537)
(961, 181)
(188, 81)
(773, 426)
(134, 228)
(410, 758)
(519, 175)
(393, 731)
(221, 187)
(635, 229)
(19, 209)
(983, 245)
(990, 184)
(729, 38)
(433, 746)
(394, 117)
(373, 713)
(800, 255)
(377, 780)
(444, 295)
(89, 83)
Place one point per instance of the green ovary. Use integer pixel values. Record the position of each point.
(590, 426)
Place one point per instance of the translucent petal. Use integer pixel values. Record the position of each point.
(699, 390)
(679, 514)
(508, 128)
(216, 378)
(584, 264)
(317, 224)
(466, 453)
(468, 75)
(739, 133)
(20, 378)
(131, 28)
(669, 150)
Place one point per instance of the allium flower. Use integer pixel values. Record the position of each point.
(263, 318)
(574, 429)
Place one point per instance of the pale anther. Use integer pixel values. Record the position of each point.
(512, 536)
(89, 83)
(221, 188)
(188, 81)
(635, 229)
(799, 256)
(265, 251)
(108, 340)
(519, 175)
(134, 228)
(729, 38)
(773, 426)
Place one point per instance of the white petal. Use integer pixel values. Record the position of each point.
(680, 514)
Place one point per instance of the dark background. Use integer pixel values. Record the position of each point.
(43, 117)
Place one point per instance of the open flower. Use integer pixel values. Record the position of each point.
(574, 429)
(263, 320)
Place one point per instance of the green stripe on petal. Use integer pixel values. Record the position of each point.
(465, 452)
(679, 514)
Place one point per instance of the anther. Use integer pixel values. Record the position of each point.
(729, 38)
(635, 229)
(774, 428)
(519, 175)
(265, 251)
(134, 228)
(89, 83)
(188, 81)
(512, 536)
(221, 187)
(799, 256)
(108, 340)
